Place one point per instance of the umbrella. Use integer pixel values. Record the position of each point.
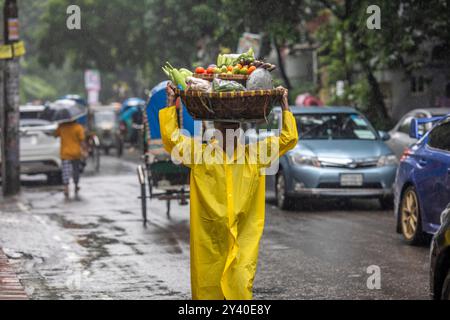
(307, 100)
(75, 97)
(132, 103)
(64, 111)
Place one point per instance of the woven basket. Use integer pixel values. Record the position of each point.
(239, 106)
(239, 78)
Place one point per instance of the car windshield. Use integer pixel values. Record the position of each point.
(104, 117)
(337, 126)
(31, 115)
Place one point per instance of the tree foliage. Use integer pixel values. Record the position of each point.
(142, 34)
(132, 39)
(409, 31)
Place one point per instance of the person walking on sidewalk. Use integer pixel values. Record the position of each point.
(227, 203)
(72, 152)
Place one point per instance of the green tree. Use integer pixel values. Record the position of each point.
(143, 34)
(354, 53)
(39, 82)
(117, 35)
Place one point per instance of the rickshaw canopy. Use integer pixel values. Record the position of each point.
(132, 103)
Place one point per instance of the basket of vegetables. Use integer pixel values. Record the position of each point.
(253, 105)
(238, 88)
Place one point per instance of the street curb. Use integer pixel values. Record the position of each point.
(10, 286)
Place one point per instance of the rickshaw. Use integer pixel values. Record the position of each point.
(104, 122)
(127, 116)
(164, 179)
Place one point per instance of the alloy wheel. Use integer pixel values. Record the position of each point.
(410, 214)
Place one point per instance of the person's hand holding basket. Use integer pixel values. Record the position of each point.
(172, 96)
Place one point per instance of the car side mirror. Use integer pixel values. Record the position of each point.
(416, 130)
(384, 135)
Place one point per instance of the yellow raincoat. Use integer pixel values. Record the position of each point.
(227, 211)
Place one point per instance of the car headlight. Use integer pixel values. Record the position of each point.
(445, 215)
(303, 160)
(389, 160)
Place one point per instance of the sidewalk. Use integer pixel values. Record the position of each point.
(10, 286)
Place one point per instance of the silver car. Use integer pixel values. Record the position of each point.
(339, 155)
(399, 135)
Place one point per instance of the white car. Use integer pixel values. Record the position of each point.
(39, 149)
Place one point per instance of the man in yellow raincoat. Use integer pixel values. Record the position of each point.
(227, 205)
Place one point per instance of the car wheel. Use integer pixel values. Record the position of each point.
(386, 203)
(410, 218)
(284, 202)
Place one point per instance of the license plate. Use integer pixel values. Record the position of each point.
(352, 180)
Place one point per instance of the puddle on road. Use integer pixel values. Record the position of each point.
(125, 212)
(94, 241)
(96, 246)
(68, 224)
(169, 237)
(105, 220)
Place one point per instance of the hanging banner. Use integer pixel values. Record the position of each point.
(92, 80)
(19, 49)
(8, 51)
(13, 29)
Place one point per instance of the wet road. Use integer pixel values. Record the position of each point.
(95, 247)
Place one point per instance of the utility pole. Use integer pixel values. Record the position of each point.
(10, 104)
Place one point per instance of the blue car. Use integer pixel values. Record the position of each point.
(422, 187)
(339, 155)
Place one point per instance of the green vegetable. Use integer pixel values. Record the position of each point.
(234, 59)
(178, 77)
(248, 56)
(166, 71)
(220, 61)
(227, 86)
(186, 72)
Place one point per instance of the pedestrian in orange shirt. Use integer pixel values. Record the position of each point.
(72, 151)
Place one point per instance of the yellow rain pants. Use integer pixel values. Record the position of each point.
(227, 212)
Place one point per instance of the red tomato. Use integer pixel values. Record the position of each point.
(200, 70)
(210, 70)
